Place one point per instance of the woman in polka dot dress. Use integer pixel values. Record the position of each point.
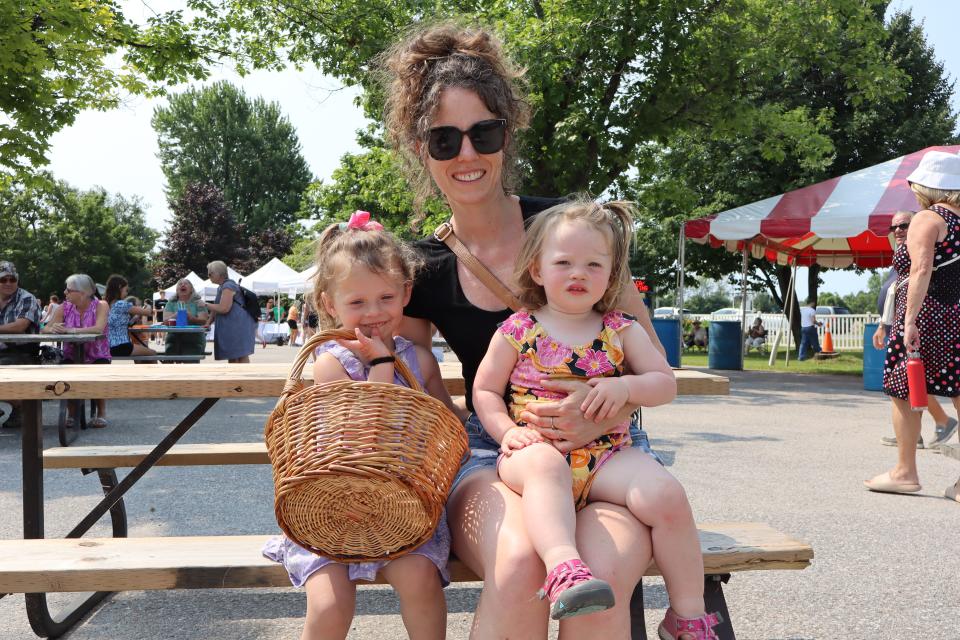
(927, 310)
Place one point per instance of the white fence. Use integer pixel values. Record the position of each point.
(846, 329)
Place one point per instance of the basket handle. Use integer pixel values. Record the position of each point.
(317, 339)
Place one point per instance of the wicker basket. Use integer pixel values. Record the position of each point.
(361, 470)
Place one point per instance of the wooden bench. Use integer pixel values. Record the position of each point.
(161, 358)
(209, 383)
(118, 564)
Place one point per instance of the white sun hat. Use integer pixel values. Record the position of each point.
(938, 170)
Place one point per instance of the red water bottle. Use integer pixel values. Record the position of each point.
(916, 381)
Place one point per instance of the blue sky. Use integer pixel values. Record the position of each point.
(117, 149)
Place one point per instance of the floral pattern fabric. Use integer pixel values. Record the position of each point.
(541, 356)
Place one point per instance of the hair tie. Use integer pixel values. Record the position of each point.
(361, 220)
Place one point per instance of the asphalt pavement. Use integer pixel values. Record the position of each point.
(788, 450)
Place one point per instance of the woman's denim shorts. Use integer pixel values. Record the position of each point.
(484, 449)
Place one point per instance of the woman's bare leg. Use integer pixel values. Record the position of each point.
(486, 522)
(906, 426)
(617, 548)
(422, 604)
(936, 411)
(633, 478)
(331, 599)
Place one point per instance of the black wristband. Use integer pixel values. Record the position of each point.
(382, 360)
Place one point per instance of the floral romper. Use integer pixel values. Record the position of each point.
(938, 322)
(540, 356)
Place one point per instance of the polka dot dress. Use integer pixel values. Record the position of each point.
(938, 321)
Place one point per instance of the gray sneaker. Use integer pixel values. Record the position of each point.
(891, 441)
(944, 433)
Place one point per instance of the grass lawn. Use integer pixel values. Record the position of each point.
(849, 363)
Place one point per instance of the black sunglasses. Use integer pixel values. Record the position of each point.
(903, 226)
(486, 136)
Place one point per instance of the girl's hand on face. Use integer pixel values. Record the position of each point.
(365, 348)
(605, 399)
(517, 438)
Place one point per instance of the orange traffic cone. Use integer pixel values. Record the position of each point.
(827, 339)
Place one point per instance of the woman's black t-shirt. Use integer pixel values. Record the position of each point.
(438, 297)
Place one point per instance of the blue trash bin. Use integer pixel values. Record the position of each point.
(872, 360)
(668, 331)
(725, 350)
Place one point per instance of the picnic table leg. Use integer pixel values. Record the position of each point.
(638, 625)
(715, 602)
(38, 613)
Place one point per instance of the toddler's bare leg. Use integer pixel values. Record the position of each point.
(422, 604)
(541, 475)
(331, 598)
(634, 479)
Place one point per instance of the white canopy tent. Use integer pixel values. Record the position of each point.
(303, 283)
(268, 278)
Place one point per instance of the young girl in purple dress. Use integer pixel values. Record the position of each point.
(364, 278)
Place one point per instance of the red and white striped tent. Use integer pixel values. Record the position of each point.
(835, 223)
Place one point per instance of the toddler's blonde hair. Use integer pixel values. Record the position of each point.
(613, 219)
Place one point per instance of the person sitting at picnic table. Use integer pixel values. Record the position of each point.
(118, 321)
(454, 110)
(19, 313)
(234, 336)
(83, 312)
(756, 336)
(184, 344)
(699, 336)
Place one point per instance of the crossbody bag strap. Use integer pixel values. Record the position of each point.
(444, 233)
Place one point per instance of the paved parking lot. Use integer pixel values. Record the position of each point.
(783, 449)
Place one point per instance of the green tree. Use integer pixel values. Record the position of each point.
(57, 58)
(605, 77)
(246, 148)
(52, 230)
(700, 173)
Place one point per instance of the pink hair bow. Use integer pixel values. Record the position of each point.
(361, 220)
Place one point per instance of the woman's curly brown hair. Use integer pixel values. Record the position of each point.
(430, 59)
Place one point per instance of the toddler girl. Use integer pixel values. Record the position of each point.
(364, 277)
(570, 273)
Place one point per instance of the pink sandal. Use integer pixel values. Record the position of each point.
(674, 627)
(574, 591)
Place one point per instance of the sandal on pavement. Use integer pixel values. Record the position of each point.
(884, 484)
(574, 591)
(953, 491)
(674, 627)
(98, 423)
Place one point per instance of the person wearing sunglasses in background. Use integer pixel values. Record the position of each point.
(19, 313)
(453, 113)
(945, 425)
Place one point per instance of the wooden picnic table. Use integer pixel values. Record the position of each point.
(224, 380)
(210, 382)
